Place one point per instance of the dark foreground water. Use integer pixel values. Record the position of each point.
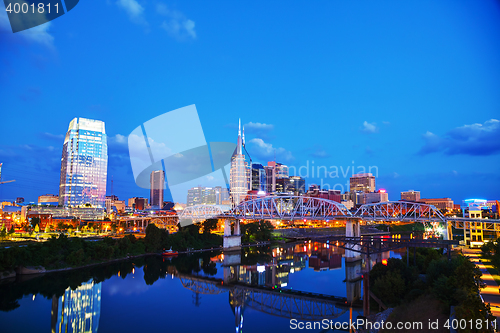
(256, 290)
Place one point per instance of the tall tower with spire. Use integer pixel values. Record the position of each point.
(239, 177)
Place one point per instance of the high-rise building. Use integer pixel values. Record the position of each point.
(258, 178)
(283, 185)
(157, 180)
(410, 195)
(275, 171)
(201, 195)
(84, 164)
(298, 184)
(364, 182)
(239, 177)
(221, 196)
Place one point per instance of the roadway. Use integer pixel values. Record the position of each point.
(490, 294)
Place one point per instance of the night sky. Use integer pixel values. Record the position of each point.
(408, 88)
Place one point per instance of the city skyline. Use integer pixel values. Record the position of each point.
(416, 98)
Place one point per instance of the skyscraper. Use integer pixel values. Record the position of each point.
(84, 164)
(275, 171)
(157, 179)
(239, 178)
(258, 178)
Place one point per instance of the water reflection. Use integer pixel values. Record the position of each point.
(77, 310)
(308, 281)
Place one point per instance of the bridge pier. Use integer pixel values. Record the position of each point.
(230, 241)
(353, 229)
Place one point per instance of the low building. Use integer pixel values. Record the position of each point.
(48, 200)
(375, 197)
(410, 195)
(439, 203)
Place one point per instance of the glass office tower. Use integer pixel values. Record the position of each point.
(84, 164)
(157, 188)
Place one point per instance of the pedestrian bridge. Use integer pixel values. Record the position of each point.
(311, 208)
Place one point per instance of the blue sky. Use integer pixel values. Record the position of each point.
(408, 87)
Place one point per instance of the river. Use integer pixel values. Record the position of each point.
(255, 290)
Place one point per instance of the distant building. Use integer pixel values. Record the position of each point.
(19, 200)
(439, 203)
(48, 199)
(157, 179)
(138, 203)
(473, 208)
(348, 204)
(201, 195)
(375, 197)
(410, 195)
(113, 202)
(179, 206)
(84, 164)
(364, 182)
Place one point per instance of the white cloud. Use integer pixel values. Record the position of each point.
(259, 126)
(134, 10)
(475, 139)
(265, 150)
(176, 24)
(369, 127)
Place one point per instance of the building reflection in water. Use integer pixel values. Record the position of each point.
(77, 311)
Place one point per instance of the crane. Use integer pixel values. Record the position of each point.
(6, 181)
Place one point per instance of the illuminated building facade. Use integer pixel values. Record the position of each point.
(440, 203)
(298, 185)
(239, 178)
(379, 196)
(410, 195)
(275, 171)
(84, 164)
(77, 311)
(364, 182)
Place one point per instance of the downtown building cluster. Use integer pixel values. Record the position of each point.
(82, 187)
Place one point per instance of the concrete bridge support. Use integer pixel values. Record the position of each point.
(232, 242)
(353, 229)
(448, 234)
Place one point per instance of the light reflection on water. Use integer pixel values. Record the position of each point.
(192, 293)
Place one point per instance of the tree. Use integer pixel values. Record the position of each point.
(47, 228)
(3, 233)
(37, 228)
(209, 225)
(153, 237)
(113, 228)
(11, 231)
(35, 221)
